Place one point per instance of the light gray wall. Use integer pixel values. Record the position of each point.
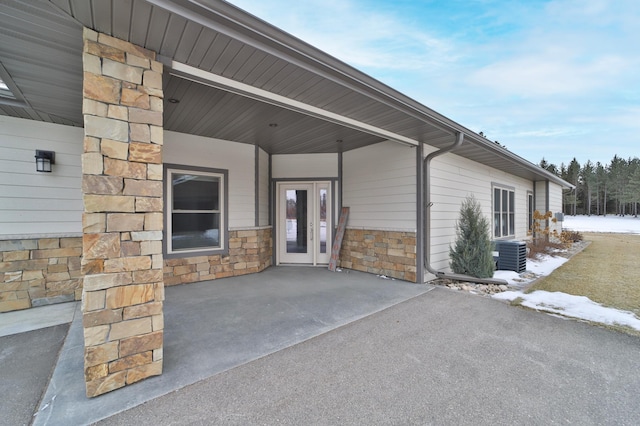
(33, 203)
(453, 179)
(263, 185)
(307, 166)
(379, 187)
(555, 204)
(541, 196)
(237, 158)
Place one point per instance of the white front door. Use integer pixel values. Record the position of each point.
(304, 222)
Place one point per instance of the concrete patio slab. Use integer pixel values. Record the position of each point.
(213, 326)
(36, 318)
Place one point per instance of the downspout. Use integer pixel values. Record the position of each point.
(427, 220)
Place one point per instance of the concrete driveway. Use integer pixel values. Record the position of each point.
(439, 358)
(213, 326)
(305, 346)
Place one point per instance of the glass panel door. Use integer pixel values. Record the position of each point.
(304, 223)
(297, 221)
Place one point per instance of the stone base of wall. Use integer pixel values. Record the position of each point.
(37, 272)
(389, 253)
(249, 252)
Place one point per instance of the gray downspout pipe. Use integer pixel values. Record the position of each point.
(427, 220)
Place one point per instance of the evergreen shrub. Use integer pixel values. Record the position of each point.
(472, 253)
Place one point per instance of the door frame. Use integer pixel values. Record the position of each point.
(276, 214)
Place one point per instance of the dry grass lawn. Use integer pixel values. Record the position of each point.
(607, 272)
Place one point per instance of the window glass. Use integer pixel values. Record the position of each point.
(503, 212)
(297, 232)
(196, 217)
(193, 192)
(505, 224)
(512, 215)
(195, 230)
(530, 211)
(497, 227)
(512, 223)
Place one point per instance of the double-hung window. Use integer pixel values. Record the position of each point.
(503, 212)
(195, 210)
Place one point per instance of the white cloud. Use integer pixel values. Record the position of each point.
(549, 73)
(577, 48)
(363, 37)
(556, 78)
(546, 133)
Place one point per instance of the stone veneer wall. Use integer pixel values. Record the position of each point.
(122, 185)
(39, 271)
(389, 253)
(249, 252)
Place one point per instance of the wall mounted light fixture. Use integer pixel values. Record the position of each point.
(44, 160)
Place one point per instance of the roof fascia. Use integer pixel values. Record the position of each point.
(510, 156)
(236, 23)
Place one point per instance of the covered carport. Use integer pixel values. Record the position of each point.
(215, 326)
(221, 74)
(230, 76)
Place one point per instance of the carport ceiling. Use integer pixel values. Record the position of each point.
(207, 111)
(40, 51)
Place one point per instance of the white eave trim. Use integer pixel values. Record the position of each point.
(188, 72)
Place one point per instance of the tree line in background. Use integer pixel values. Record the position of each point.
(601, 189)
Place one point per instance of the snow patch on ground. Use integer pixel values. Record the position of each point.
(539, 267)
(567, 305)
(572, 306)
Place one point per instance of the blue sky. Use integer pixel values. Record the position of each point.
(558, 78)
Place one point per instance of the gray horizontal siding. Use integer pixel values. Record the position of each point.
(39, 203)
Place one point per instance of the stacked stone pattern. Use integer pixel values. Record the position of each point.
(122, 187)
(249, 252)
(389, 253)
(40, 271)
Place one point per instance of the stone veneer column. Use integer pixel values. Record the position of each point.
(122, 222)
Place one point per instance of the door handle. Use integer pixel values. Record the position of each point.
(311, 230)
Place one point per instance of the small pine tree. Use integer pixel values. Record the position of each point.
(473, 251)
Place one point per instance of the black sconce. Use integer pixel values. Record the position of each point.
(44, 160)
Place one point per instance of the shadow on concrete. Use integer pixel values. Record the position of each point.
(213, 326)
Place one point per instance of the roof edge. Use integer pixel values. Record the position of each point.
(240, 24)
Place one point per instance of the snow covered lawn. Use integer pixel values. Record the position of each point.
(613, 224)
(567, 305)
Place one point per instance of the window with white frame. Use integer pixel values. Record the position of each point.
(504, 217)
(196, 210)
